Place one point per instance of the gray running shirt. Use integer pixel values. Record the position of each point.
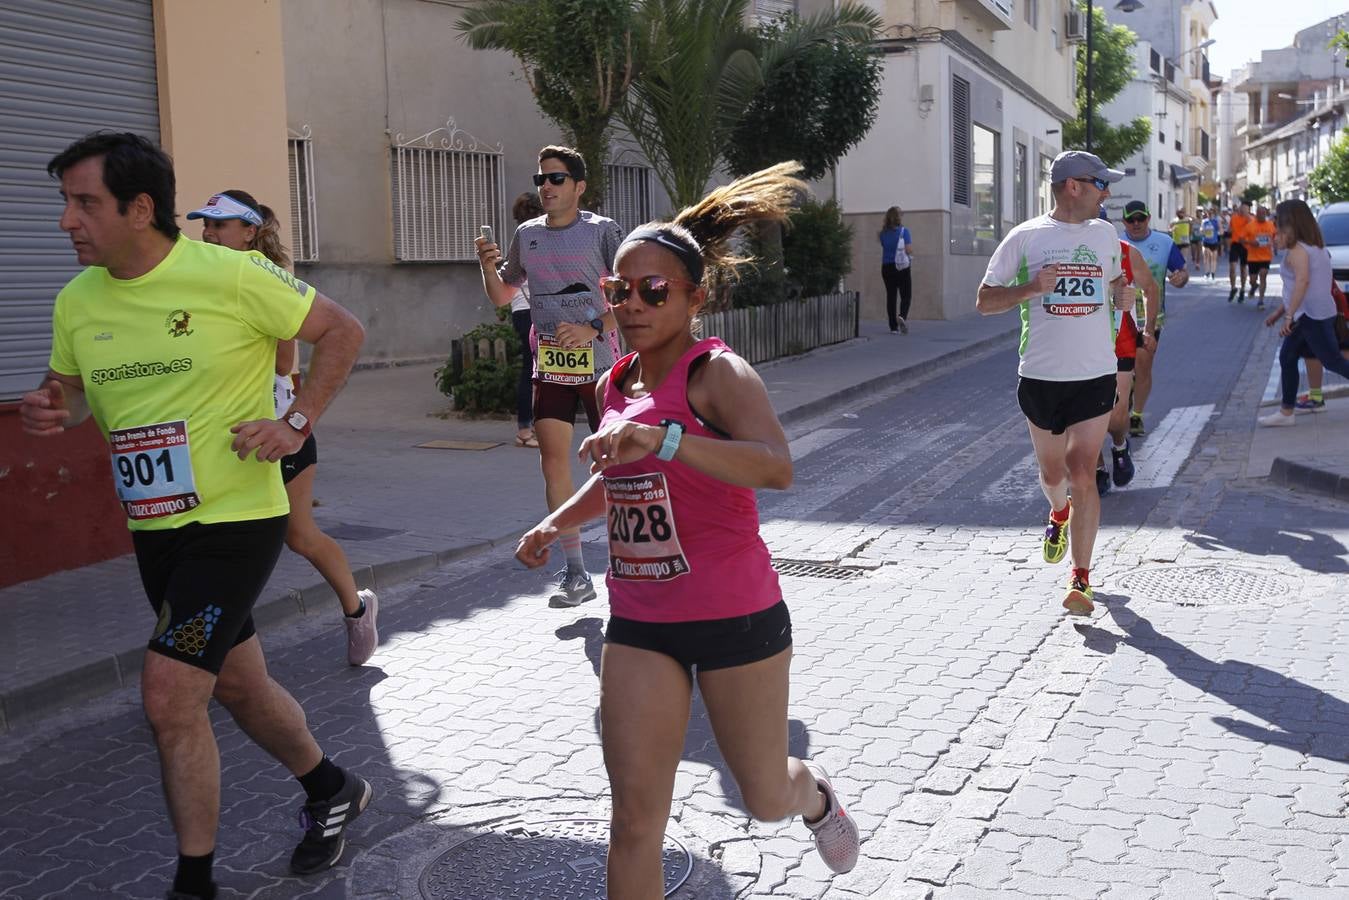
(564, 267)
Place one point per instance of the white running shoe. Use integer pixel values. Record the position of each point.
(1277, 420)
(573, 589)
(836, 835)
(362, 633)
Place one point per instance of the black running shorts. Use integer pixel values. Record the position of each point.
(712, 643)
(202, 582)
(560, 401)
(1236, 252)
(1055, 405)
(297, 462)
(1255, 267)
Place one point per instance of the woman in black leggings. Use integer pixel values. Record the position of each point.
(896, 245)
(526, 207)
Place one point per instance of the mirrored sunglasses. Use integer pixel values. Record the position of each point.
(653, 289)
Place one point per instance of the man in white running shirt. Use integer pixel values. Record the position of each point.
(1061, 270)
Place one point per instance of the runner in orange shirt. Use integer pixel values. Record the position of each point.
(1259, 241)
(1236, 251)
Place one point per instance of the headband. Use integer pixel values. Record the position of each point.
(687, 252)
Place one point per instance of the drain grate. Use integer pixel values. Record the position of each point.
(801, 569)
(1204, 585)
(558, 859)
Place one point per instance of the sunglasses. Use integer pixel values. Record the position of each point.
(653, 289)
(1136, 218)
(550, 177)
(1099, 184)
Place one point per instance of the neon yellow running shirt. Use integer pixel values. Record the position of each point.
(170, 361)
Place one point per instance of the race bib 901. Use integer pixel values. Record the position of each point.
(152, 470)
(643, 542)
(562, 366)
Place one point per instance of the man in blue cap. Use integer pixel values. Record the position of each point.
(1060, 270)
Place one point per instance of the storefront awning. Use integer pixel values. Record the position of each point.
(1180, 175)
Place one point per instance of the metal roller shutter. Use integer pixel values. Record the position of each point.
(66, 68)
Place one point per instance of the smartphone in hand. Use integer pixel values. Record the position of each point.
(486, 231)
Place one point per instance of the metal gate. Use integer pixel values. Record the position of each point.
(67, 67)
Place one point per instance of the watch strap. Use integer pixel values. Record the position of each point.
(674, 433)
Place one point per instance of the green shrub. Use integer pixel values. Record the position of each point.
(487, 386)
(817, 248)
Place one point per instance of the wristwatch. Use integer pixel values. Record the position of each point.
(597, 324)
(674, 433)
(299, 421)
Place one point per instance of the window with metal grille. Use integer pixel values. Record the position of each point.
(961, 138)
(443, 190)
(768, 10)
(304, 244)
(1019, 178)
(987, 184)
(628, 197)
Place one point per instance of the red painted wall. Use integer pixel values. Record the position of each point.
(57, 506)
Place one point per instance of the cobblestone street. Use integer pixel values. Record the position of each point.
(1190, 740)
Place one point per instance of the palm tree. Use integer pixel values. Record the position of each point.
(578, 59)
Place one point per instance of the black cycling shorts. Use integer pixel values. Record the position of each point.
(712, 643)
(297, 462)
(560, 401)
(1055, 405)
(202, 581)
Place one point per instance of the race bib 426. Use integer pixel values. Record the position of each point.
(1079, 290)
(152, 470)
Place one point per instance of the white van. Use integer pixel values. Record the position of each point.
(1334, 222)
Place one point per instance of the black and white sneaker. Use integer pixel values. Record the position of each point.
(324, 823)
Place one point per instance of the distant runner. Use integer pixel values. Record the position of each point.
(1167, 264)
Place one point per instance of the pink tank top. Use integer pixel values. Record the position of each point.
(683, 546)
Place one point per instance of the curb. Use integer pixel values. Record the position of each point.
(1299, 475)
(93, 677)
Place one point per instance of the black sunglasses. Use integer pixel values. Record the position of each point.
(1137, 217)
(550, 177)
(1099, 183)
(653, 289)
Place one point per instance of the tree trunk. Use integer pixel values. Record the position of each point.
(595, 148)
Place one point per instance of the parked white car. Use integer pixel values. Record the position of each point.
(1334, 222)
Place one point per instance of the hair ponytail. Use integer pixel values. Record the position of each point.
(267, 240)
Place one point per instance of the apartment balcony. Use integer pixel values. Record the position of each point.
(996, 14)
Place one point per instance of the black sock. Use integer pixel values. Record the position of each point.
(358, 613)
(323, 781)
(194, 875)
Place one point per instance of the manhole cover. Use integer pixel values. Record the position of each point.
(816, 570)
(1204, 585)
(559, 858)
(344, 531)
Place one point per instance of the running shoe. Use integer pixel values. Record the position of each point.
(1241, 297)
(1277, 419)
(1102, 482)
(1136, 425)
(836, 835)
(903, 327)
(1231, 295)
(1056, 539)
(324, 822)
(1306, 404)
(573, 589)
(1121, 466)
(1078, 602)
(1261, 304)
(362, 634)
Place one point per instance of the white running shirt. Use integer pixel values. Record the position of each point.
(1065, 334)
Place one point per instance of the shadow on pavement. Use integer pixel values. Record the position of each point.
(1300, 717)
(699, 742)
(1315, 551)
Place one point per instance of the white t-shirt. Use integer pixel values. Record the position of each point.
(1066, 334)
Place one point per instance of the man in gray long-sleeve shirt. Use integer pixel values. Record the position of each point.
(563, 254)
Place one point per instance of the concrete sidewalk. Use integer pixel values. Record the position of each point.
(399, 509)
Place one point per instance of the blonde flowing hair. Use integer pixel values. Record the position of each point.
(267, 240)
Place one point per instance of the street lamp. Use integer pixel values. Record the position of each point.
(1127, 6)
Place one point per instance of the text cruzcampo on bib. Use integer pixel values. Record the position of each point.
(643, 542)
(565, 366)
(152, 470)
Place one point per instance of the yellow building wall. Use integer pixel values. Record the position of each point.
(222, 102)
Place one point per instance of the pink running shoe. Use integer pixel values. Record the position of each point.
(836, 835)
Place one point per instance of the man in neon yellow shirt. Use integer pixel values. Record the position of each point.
(170, 345)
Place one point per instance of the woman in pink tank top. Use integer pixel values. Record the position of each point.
(686, 437)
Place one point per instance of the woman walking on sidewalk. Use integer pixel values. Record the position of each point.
(1308, 312)
(896, 260)
(236, 220)
(686, 437)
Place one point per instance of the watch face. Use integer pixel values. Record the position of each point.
(297, 420)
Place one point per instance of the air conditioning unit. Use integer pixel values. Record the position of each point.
(1075, 27)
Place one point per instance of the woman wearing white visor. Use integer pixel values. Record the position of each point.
(234, 219)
